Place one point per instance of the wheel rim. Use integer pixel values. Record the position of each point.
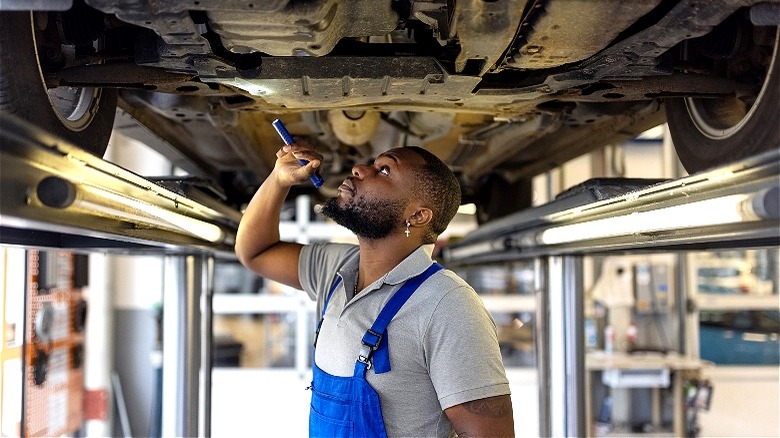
(720, 118)
(75, 107)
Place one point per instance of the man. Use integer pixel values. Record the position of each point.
(401, 348)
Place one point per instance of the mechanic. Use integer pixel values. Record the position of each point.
(436, 369)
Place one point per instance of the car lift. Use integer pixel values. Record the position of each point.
(56, 196)
(735, 206)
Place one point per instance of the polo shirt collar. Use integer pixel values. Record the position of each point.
(414, 264)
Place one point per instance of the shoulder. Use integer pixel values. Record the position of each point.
(451, 288)
(327, 255)
(449, 297)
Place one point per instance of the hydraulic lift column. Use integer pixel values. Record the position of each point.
(562, 387)
(187, 345)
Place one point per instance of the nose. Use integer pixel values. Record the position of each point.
(360, 170)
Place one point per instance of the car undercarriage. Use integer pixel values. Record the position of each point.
(500, 90)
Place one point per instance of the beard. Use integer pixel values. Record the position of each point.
(372, 219)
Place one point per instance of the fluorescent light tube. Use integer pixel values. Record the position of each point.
(717, 211)
(148, 213)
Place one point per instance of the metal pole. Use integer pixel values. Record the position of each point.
(556, 347)
(189, 333)
(575, 345)
(173, 273)
(542, 343)
(207, 343)
(681, 301)
(566, 365)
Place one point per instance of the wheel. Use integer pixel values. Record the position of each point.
(709, 132)
(499, 197)
(82, 116)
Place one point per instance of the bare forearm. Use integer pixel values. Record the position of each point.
(259, 227)
(488, 417)
(258, 246)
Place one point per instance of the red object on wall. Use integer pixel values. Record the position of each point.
(96, 404)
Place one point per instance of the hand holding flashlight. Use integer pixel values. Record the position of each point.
(288, 140)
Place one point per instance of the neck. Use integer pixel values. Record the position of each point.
(378, 257)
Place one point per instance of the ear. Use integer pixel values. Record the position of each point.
(421, 217)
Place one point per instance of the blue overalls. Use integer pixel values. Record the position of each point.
(349, 406)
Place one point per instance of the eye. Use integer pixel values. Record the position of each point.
(384, 170)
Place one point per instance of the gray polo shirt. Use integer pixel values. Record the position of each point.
(443, 343)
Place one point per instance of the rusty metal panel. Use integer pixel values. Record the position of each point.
(566, 31)
(303, 28)
(485, 30)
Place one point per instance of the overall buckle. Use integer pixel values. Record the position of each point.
(364, 356)
(371, 341)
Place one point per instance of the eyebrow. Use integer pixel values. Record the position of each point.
(389, 155)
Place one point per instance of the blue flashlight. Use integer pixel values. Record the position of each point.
(288, 140)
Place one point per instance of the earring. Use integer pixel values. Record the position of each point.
(407, 228)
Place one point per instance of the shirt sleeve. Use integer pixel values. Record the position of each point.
(462, 350)
(318, 264)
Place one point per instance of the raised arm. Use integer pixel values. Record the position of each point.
(258, 244)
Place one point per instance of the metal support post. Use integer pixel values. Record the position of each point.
(566, 364)
(681, 301)
(185, 282)
(207, 342)
(189, 335)
(542, 343)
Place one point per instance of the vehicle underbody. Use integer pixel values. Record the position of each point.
(501, 90)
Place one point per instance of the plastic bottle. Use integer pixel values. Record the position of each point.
(631, 336)
(591, 334)
(609, 338)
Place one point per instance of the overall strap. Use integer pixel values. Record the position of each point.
(375, 339)
(336, 282)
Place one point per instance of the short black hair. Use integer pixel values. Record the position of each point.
(439, 188)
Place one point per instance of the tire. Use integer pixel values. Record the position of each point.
(498, 198)
(83, 116)
(710, 132)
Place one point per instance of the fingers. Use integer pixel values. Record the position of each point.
(296, 163)
(308, 157)
(301, 151)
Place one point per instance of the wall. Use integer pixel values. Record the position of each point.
(745, 402)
